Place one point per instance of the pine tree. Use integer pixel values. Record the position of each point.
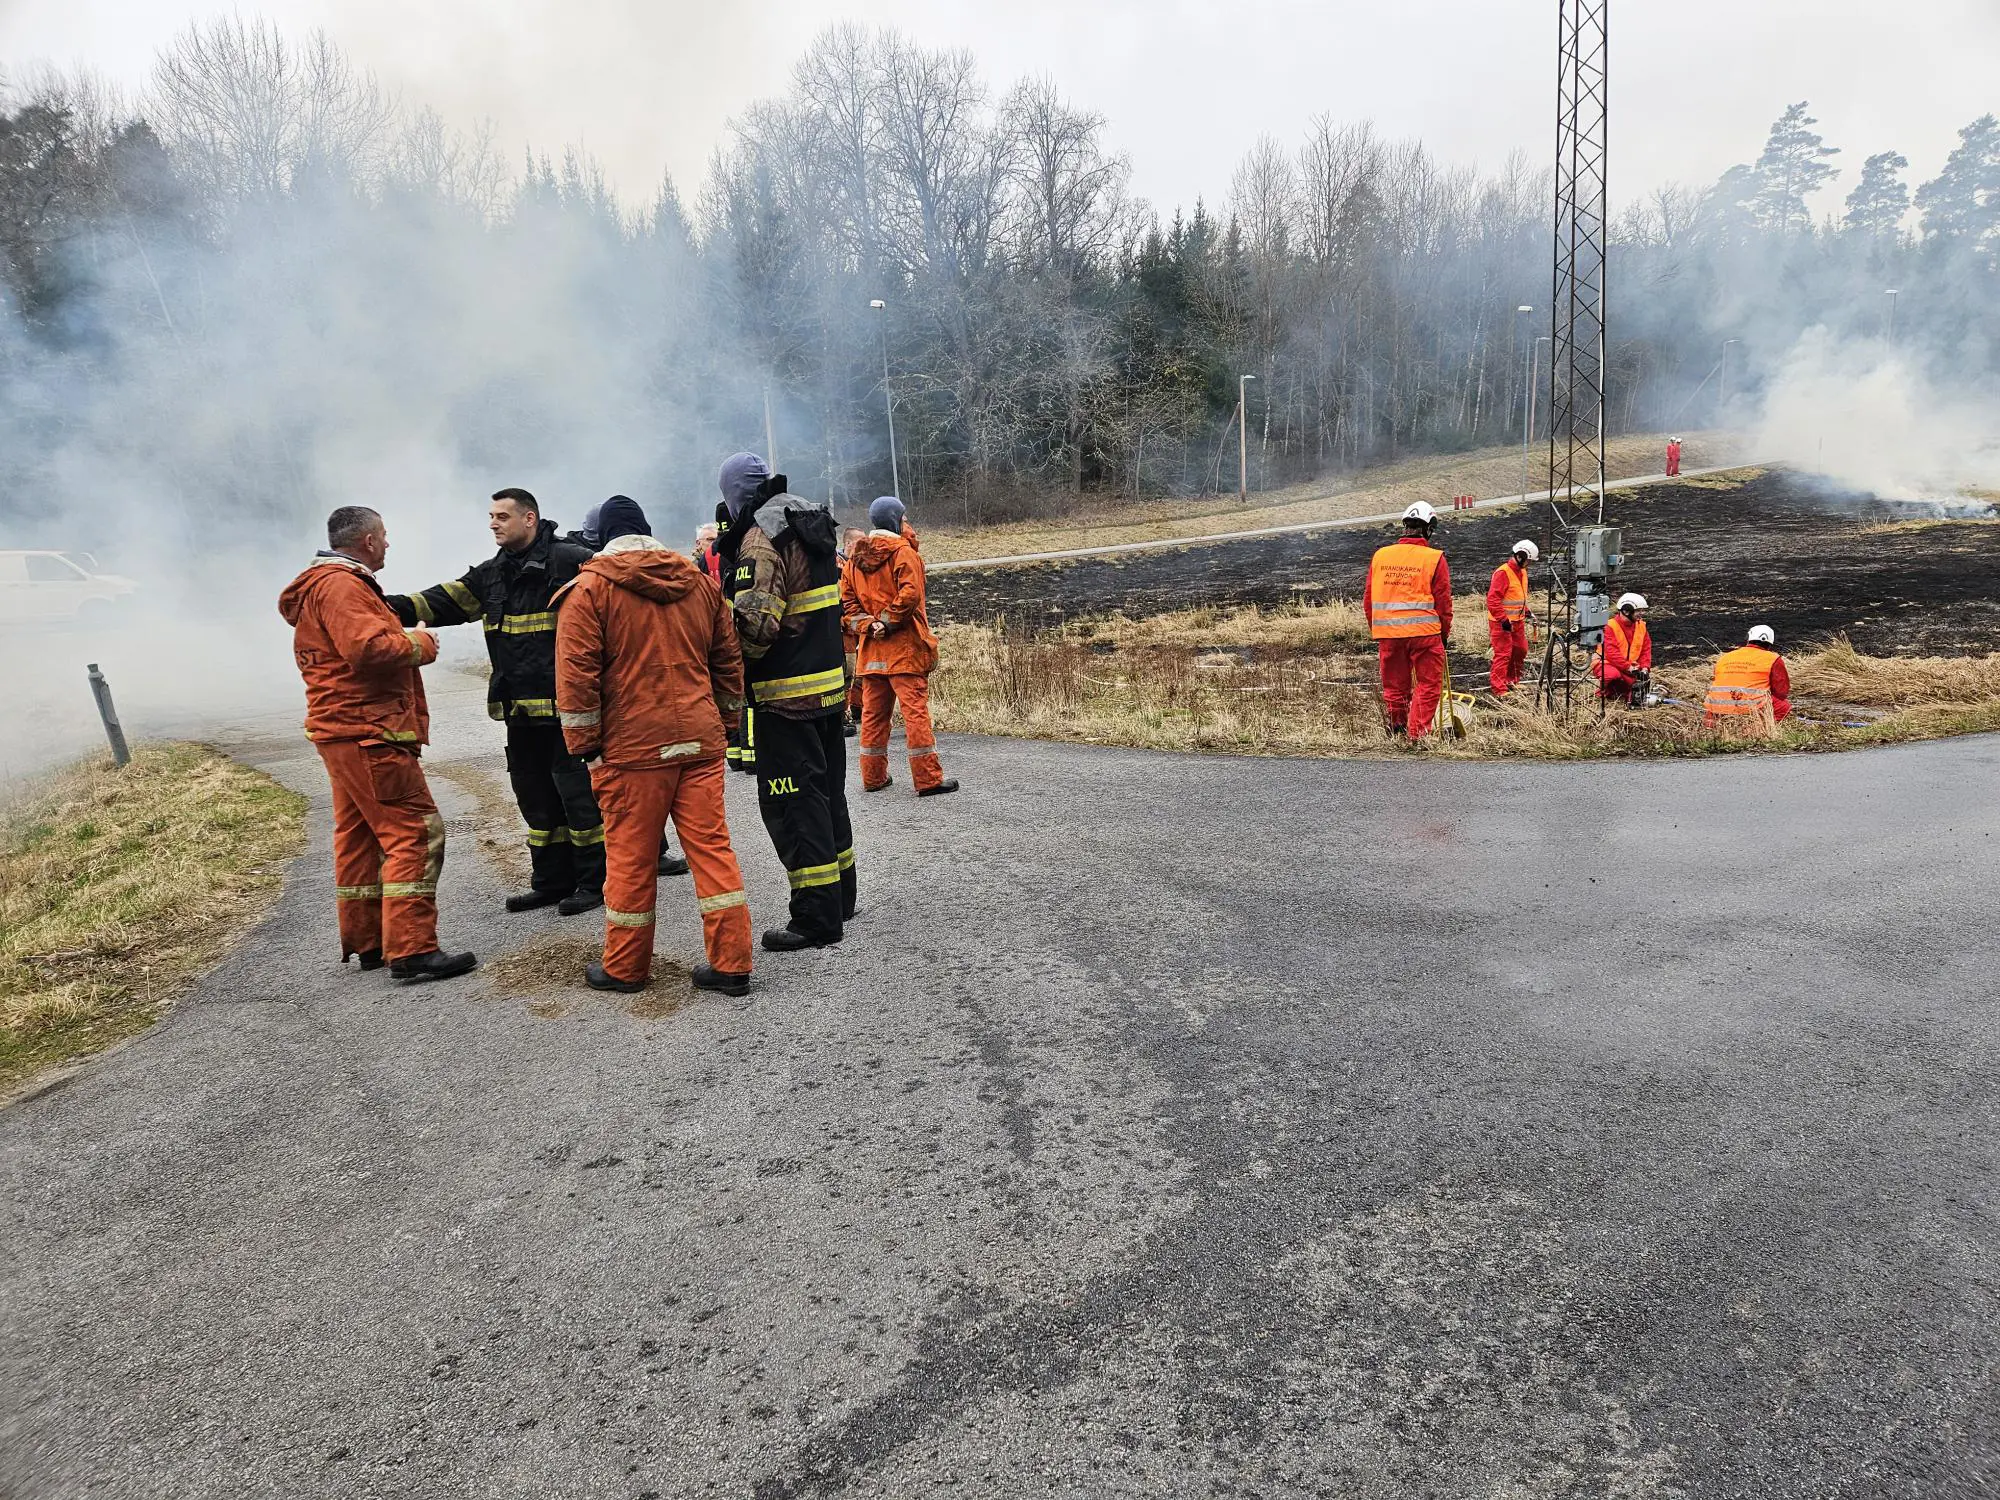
(1879, 201)
(1792, 168)
(1963, 201)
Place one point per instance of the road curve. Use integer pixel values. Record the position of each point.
(1165, 1127)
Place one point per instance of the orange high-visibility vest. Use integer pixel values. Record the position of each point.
(1633, 637)
(1515, 605)
(1742, 683)
(1399, 592)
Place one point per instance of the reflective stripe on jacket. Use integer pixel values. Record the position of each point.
(509, 593)
(1507, 597)
(1744, 684)
(360, 666)
(1408, 592)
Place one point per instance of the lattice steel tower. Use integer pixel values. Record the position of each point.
(1577, 323)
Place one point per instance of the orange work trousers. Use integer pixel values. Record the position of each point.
(880, 693)
(636, 806)
(1412, 682)
(1510, 654)
(388, 847)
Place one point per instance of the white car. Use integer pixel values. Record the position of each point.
(55, 588)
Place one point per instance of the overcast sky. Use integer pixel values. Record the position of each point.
(650, 84)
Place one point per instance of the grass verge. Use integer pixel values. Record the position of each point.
(119, 886)
(1303, 681)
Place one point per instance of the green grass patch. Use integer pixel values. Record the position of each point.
(119, 886)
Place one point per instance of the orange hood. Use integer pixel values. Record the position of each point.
(875, 551)
(648, 568)
(326, 566)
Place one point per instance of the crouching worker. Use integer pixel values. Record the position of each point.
(366, 715)
(646, 664)
(1623, 661)
(1752, 692)
(882, 604)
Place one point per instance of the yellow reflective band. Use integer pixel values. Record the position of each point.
(831, 683)
(586, 838)
(357, 893)
(534, 708)
(846, 859)
(495, 711)
(724, 901)
(391, 889)
(491, 626)
(533, 624)
(416, 651)
(422, 608)
(465, 599)
(628, 918)
(875, 752)
(584, 719)
(825, 597)
(541, 838)
(400, 736)
(814, 875)
(684, 748)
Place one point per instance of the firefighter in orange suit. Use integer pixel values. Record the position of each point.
(366, 715)
(1507, 616)
(1752, 690)
(1408, 604)
(647, 662)
(882, 606)
(1623, 661)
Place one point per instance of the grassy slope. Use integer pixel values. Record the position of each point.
(1302, 681)
(1483, 473)
(117, 887)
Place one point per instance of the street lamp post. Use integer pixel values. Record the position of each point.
(1534, 376)
(888, 398)
(1527, 395)
(1243, 439)
(1722, 401)
(1892, 293)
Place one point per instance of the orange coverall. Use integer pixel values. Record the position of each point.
(366, 715)
(1407, 601)
(647, 661)
(884, 582)
(1507, 624)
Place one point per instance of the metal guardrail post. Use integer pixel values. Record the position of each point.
(108, 712)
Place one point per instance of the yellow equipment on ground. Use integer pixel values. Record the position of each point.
(1454, 710)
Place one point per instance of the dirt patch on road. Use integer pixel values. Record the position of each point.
(1712, 558)
(553, 964)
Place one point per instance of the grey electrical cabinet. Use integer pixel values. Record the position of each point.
(1599, 551)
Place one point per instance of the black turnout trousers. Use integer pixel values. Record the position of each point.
(802, 793)
(552, 789)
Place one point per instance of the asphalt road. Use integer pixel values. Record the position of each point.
(1165, 1127)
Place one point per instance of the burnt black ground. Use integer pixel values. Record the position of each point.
(1781, 550)
(1166, 1127)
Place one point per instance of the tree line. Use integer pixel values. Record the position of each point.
(267, 280)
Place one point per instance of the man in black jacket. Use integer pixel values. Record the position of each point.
(510, 594)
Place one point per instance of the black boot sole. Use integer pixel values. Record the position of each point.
(719, 983)
(536, 900)
(799, 945)
(426, 976)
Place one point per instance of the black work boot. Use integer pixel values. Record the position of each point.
(432, 965)
(708, 977)
(580, 901)
(790, 940)
(531, 900)
(672, 864)
(369, 961)
(942, 789)
(597, 979)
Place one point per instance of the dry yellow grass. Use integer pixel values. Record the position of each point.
(1302, 681)
(1483, 473)
(117, 887)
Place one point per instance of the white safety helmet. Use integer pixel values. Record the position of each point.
(1420, 511)
(1763, 635)
(1632, 601)
(1534, 552)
